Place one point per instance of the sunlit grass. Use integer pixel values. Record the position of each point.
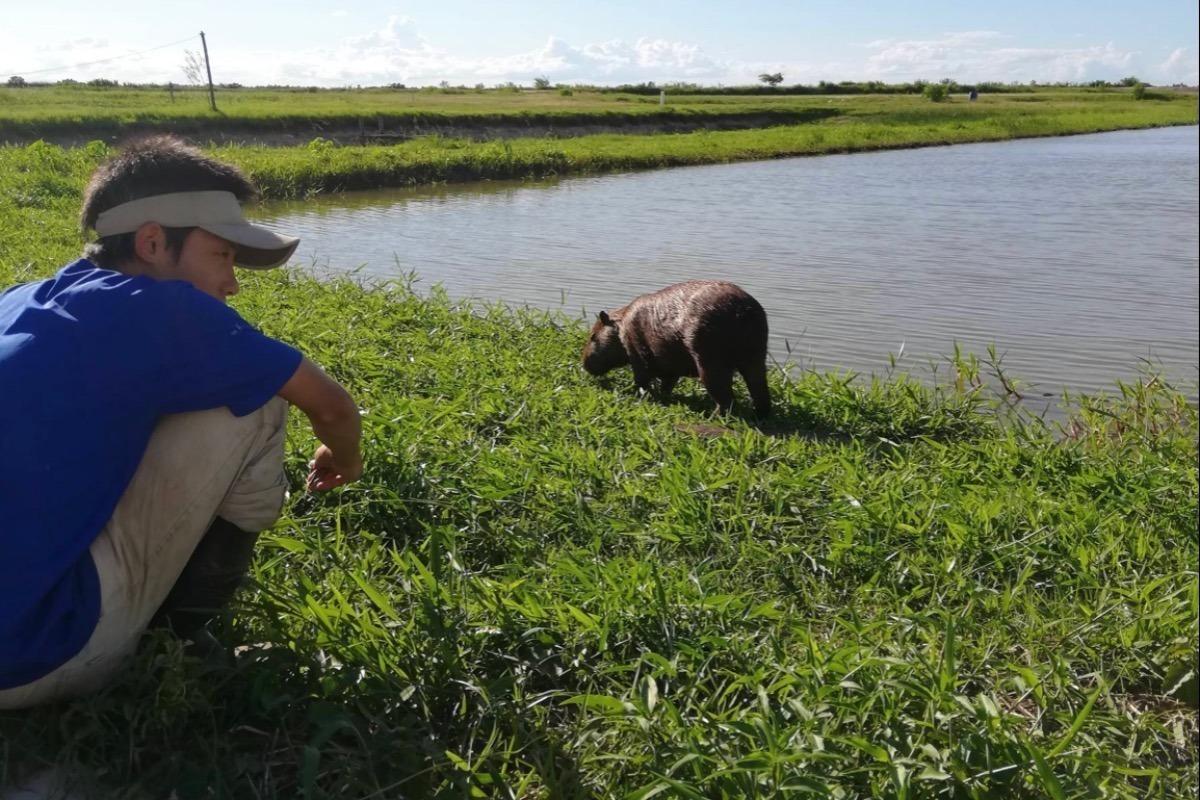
(546, 586)
(31, 112)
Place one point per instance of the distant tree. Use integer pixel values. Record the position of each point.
(541, 82)
(1130, 81)
(1139, 91)
(771, 79)
(16, 81)
(193, 67)
(936, 92)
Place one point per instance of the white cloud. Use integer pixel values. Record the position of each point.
(973, 56)
(1180, 67)
(400, 34)
(82, 44)
(397, 52)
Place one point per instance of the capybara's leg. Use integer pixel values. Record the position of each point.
(719, 383)
(642, 377)
(667, 385)
(755, 376)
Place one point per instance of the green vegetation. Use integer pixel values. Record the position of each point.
(547, 587)
(937, 92)
(37, 111)
(46, 111)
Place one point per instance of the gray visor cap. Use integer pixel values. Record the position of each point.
(219, 213)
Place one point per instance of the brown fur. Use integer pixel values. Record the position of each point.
(699, 329)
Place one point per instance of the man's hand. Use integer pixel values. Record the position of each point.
(334, 418)
(325, 472)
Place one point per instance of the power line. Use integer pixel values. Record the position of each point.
(100, 61)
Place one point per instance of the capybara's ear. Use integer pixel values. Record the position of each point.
(604, 318)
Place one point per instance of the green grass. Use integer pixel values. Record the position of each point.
(547, 587)
(58, 110)
(50, 110)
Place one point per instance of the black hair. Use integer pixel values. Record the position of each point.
(145, 167)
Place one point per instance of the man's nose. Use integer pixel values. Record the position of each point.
(230, 286)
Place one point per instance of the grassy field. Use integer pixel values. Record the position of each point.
(547, 587)
(33, 111)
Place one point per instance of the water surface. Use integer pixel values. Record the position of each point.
(1076, 256)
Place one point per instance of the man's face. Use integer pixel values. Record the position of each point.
(206, 262)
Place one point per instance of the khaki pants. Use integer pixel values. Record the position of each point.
(196, 467)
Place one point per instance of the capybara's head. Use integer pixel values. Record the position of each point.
(604, 350)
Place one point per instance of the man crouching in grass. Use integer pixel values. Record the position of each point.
(142, 424)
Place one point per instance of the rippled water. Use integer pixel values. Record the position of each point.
(1076, 256)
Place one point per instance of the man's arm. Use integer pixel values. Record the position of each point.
(335, 421)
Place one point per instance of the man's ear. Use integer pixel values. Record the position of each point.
(150, 243)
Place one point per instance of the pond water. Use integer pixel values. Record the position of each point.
(1077, 257)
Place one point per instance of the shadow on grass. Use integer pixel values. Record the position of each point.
(272, 722)
(785, 420)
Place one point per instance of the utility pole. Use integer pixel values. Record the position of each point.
(212, 98)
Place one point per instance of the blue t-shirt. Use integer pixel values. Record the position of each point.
(89, 361)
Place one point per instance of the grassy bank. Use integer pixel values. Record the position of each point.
(32, 112)
(50, 111)
(291, 172)
(545, 587)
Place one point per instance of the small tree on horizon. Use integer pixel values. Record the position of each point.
(771, 79)
(16, 81)
(541, 82)
(937, 92)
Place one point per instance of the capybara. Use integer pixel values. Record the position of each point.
(699, 329)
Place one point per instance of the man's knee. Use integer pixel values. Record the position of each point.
(256, 497)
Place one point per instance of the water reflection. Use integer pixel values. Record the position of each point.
(1076, 256)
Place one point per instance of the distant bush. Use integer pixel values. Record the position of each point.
(103, 83)
(821, 88)
(16, 81)
(397, 86)
(936, 92)
(566, 91)
(1139, 91)
(1130, 81)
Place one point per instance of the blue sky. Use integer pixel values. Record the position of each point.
(425, 42)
